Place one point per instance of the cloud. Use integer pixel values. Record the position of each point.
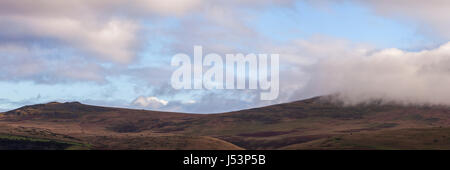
(113, 40)
(392, 75)
(99, 8)
(189, 102)
(299, 58)
(104, 29)
(361, 73)
(149, 102)
(103, 32)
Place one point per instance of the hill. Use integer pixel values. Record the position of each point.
(317, 123)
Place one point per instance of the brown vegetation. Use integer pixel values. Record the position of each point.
(315, 123)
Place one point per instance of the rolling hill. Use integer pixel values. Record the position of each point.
(316, 123)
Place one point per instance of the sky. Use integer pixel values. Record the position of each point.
(117, 53)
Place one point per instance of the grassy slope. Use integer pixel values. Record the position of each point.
(285, 126)
(426, 138)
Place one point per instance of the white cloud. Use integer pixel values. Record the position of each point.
(391, 74)
(299, 59)
(360, 73)
(111, 41)
(149, 102)
(189, 102)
